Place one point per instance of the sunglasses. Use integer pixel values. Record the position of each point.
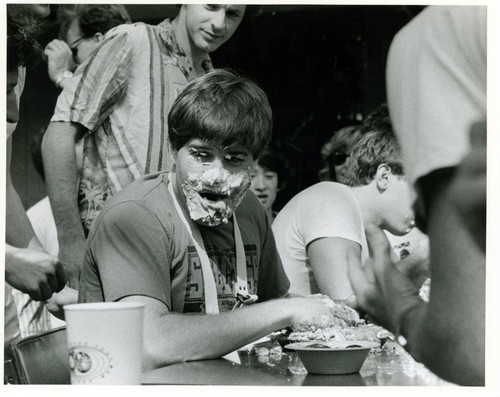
(74, 46)
(338, 158)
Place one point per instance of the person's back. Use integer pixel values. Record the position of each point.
(436, 88)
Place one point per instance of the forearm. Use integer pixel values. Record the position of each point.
(18, 231)
(175, 337)
(450, 337)
(61, 175)
(433, 342)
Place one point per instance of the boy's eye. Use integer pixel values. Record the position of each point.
(212, 7)
(270, 175)
(199, 154)
(232, 13)
(234, 159)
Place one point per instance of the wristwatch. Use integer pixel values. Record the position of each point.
(63, 76)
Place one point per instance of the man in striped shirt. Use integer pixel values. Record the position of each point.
(118, 102)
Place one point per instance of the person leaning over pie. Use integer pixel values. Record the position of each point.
(194, 243)
(321, 225)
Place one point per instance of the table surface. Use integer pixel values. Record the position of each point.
(390, 365)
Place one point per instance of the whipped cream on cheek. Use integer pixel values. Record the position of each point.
(213, 195)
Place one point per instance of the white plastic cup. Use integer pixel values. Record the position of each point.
(105, 342)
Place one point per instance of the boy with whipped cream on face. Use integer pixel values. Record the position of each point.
(196, 240)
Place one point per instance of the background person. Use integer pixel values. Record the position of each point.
(436, 85)
(120, 97)
(33, 316)
(336, 151)
(319, 226)
(28, 267)
(268, 179)
(80, 36)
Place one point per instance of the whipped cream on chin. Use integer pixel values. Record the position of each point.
(213, 195)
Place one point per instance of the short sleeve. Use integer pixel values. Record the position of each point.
(129, 252)
(273, 281)
(330, 210)
(98, 84)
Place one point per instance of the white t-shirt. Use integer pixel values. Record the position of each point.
(436, 85)
(327, 209)
(44, 226)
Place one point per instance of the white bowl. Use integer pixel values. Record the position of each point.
(333, 357)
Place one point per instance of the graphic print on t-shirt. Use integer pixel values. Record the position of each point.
(223, 263)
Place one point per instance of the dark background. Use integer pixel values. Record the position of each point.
(322, 67)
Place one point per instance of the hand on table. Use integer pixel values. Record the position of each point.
(59, 58)
(34, 272)
(382, 291)
(310, 310)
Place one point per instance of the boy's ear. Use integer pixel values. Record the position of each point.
(382, 177)
(98, 36)
(173, 154)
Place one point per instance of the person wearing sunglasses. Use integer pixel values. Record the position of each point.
(336, 151)
(81, 34)
(318, 227)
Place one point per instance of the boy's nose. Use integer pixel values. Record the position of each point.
(258, 183)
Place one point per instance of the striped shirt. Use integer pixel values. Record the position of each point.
(122, 95)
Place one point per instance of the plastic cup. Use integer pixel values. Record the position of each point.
(105, 342)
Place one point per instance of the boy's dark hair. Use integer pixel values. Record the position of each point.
(221, 107)
(22, 47)
(374, 149)
(98, 18)
(273, 161)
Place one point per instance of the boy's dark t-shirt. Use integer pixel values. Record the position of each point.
(139, 246)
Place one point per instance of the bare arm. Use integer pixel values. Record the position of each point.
(173, 337)
(61, 175)
(28, 267)
(328, 258)
(454, 321)
(19, 232)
